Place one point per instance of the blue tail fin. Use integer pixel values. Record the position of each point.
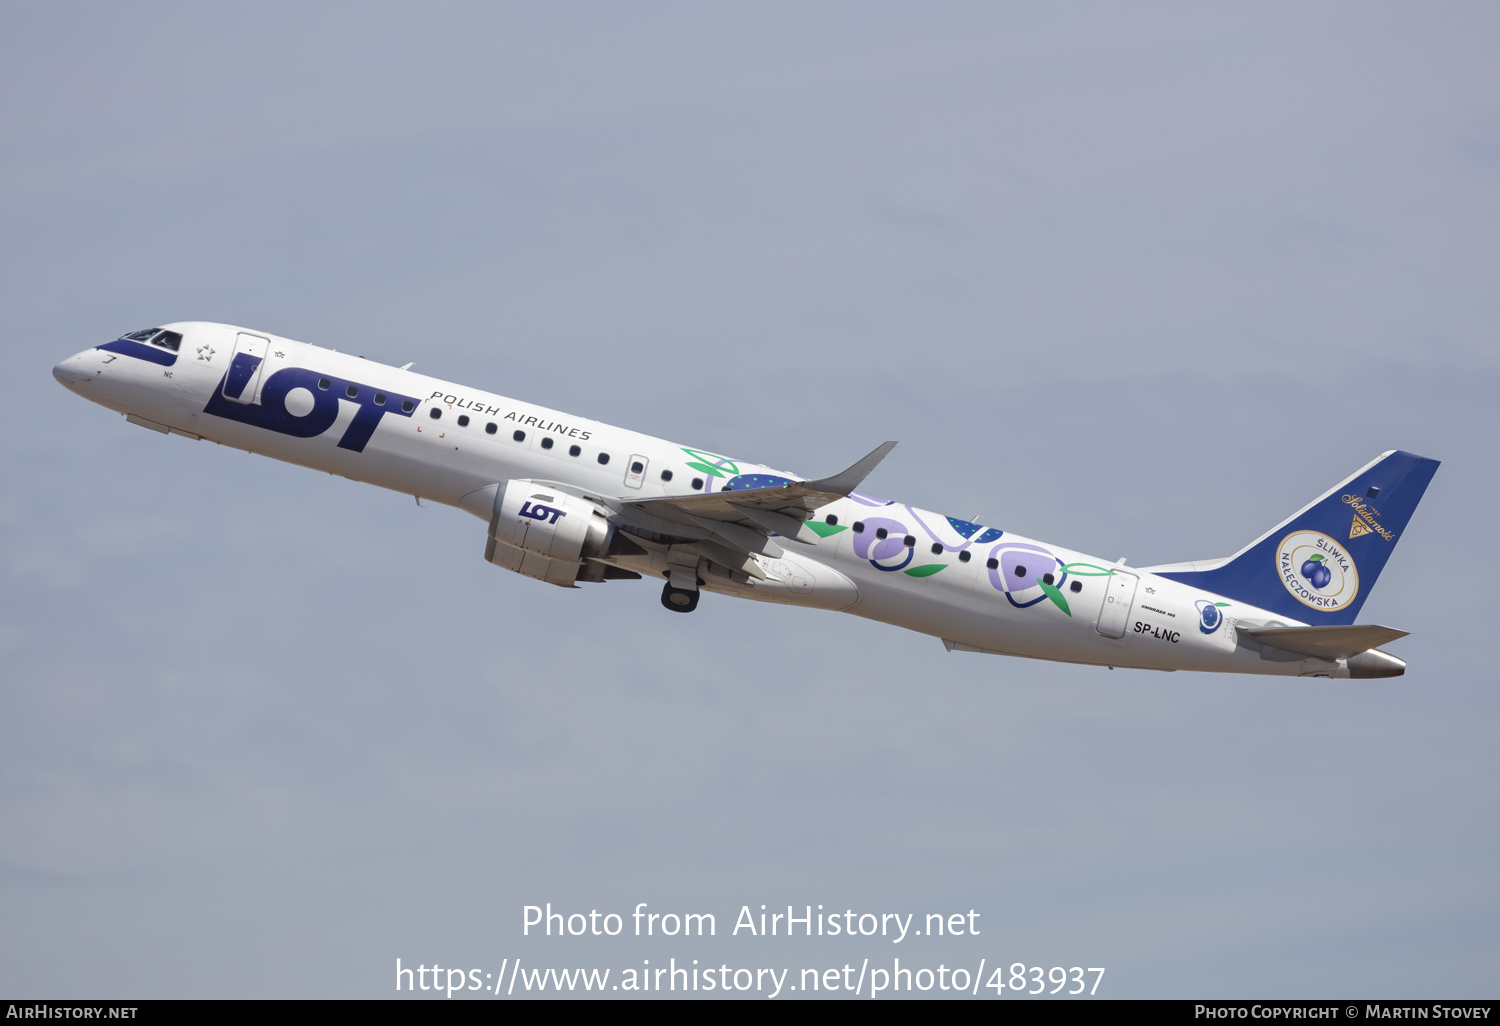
(1319, 565)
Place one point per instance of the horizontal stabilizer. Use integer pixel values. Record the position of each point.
(1325, 642)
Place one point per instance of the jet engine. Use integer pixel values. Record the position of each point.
(547, 534)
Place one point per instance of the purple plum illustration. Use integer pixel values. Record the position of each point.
(868, 544)
(1316, 571)
(1022, 572)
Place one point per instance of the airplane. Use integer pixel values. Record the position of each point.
(571, 501)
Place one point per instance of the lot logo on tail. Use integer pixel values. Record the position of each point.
(1317, 570)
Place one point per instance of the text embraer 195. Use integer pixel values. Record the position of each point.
(569, 500)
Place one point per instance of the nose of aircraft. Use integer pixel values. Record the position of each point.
(73, 371)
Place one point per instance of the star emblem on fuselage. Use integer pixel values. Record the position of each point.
(206, 353)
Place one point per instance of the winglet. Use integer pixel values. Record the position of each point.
(850, 479)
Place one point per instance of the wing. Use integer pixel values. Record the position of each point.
(744, 520)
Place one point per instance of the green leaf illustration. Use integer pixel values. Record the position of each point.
(705, 461)
(1088, 570)
(1052, 592)
(1316, 557)
(926, 571)
(823, 530)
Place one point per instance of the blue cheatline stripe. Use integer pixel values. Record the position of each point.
(140, 351)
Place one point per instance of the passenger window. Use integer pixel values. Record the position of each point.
(859, 527)
(490, 428)
(379, 398)
(937, 548)
(463, 420)
(603, 458)
(963, 557)
(352, 391)
(831, 520)
(573, 450)
(881, 532)
(546, 443)
(436, 414)
(519, 436)
(1047, 578)
(1076, 587)
(637, 467)
(697, 483)
(323, 383)
(1020, 570)
(666, 475)
(992, 563)
(909, 541)
(406, 404)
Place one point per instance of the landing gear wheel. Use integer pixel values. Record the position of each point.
(679, 600)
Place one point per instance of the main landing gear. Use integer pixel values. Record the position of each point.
(679, 600)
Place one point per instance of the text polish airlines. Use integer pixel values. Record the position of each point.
(570, 501)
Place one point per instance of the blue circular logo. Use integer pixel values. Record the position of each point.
(1209, 616)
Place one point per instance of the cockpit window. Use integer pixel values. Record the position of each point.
(157, 337)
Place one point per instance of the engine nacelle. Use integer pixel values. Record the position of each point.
(541, 532)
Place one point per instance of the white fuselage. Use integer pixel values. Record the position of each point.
(978, 592)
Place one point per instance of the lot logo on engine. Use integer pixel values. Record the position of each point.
(536, 511)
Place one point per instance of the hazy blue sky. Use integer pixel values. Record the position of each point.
(1138, 279)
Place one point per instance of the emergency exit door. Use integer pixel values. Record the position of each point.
(635, 471)
(1114, 612)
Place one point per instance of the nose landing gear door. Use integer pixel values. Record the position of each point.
(242, 382)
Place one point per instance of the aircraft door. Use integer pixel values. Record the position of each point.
(242, 382)
(635, 471)
(1114, 612)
